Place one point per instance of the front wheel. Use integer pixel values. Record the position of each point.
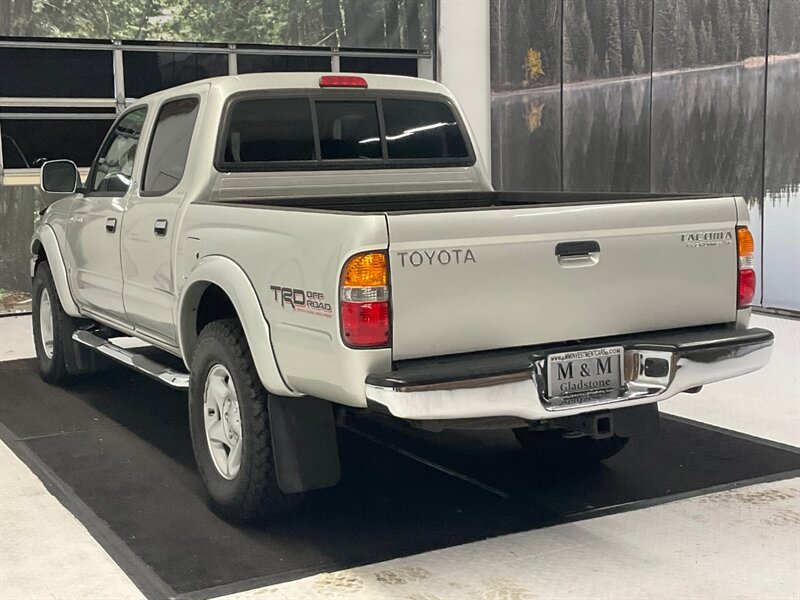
(230, 427)
(552, 448)
(51, 326)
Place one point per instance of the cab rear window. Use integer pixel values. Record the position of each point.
(270, 130)
(347, 132)
(422, 129)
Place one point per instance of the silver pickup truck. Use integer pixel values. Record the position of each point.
(311, 244)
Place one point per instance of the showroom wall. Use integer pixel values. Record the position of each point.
(656, 95)
(462, 54)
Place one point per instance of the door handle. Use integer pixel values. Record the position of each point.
(160, 227)
(566, 249)
(573, 255)
(111, 225)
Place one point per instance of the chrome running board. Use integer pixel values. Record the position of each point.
(138, 362)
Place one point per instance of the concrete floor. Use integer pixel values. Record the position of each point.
(741, 543)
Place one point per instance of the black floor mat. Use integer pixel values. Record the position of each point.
(120, 443)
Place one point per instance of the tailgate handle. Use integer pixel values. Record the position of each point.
(565, 249)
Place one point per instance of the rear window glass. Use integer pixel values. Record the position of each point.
(318, 131)
(422, 129)
(348, 130)
(268, 130)
(166, 160)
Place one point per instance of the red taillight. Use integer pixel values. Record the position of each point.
(342, 81)
(365, 325)
(747, 287)
(747, 275)
(364, 301)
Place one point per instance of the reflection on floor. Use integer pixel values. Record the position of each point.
(694, 547)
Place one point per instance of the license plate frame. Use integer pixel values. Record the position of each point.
(579, 377)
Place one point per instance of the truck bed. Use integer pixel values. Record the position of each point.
(438, 202)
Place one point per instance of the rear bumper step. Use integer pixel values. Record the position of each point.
(510, 383)
(138, 362)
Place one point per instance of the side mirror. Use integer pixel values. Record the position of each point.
(60, 176)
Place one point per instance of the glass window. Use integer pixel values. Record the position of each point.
(114, 167)
(266, 63)
(49, 138)
(50, 73)
(12, 155)
(268, 130)
(386, 66)
(422, 129)
(348, 130)
(166, 159)
(148, 72)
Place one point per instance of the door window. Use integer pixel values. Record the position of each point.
(169, 148)
(114, 166)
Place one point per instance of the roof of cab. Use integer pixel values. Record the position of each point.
(231, 84)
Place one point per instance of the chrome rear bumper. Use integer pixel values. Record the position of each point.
(511, 383)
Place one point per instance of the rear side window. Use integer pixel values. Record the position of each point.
(269, 130)
(169, 148)
(422, 129)
(353, 130)
(348, 130)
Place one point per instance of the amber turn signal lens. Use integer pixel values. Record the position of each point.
(744, 240)
(366, 270)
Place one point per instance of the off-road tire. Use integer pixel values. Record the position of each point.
(254, 492)
(53, 369)
(551, 449)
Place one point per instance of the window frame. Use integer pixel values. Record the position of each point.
(318, 164)
(151, 134)
(93, 168)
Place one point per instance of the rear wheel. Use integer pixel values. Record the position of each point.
(230, 427)
(52, 327)
(552, 448)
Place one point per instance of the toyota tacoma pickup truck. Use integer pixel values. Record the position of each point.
(305, 245)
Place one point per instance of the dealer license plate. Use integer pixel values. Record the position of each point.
(583, 376)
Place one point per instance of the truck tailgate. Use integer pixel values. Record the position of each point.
(470, 280)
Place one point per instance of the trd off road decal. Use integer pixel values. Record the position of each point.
(302, 300)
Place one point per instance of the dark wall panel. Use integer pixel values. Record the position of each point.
(386, 66)
(526, 154)
(708, 121)
(75, 139)
(526, 98)
(268, 63)
(40, 72)
(148, 72)
(607, 136)
(707, 131)
(606, 131)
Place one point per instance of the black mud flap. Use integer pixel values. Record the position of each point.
(79, 359)
(304, 443)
